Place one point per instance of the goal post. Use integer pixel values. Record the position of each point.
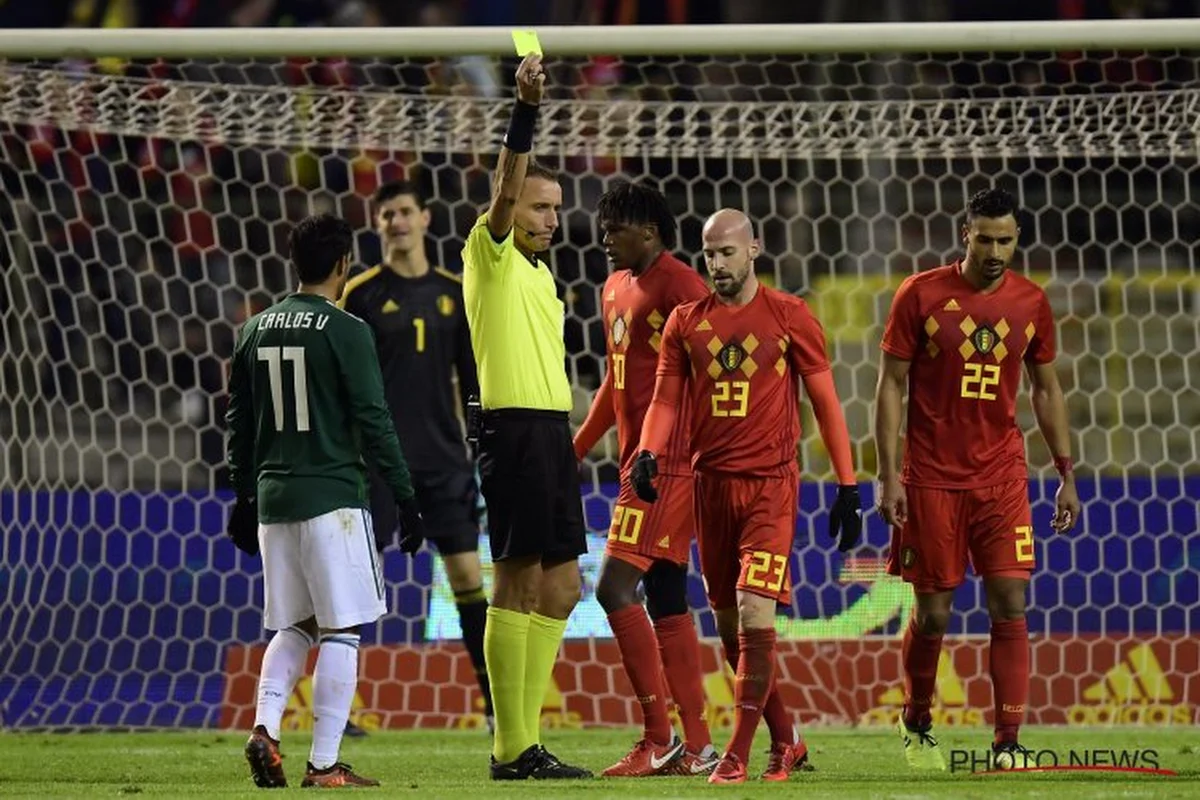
(150, 177)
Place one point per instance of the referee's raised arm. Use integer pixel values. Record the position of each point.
(514, 155)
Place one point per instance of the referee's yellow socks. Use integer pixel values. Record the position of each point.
(505, 645)
(545, 636)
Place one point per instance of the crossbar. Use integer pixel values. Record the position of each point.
(177, 43)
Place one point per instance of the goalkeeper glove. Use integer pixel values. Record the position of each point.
(243, 525)
(845, 518)
(412, 526)
(645, 470)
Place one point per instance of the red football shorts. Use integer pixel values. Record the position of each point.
(992, 526)
(642, 533)
(745, 527)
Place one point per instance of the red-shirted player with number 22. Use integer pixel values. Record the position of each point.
(739, 355)
(957, 337)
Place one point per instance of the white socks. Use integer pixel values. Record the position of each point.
(335, 681)
(282, 666)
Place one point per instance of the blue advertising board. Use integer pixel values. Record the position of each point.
(117, 608)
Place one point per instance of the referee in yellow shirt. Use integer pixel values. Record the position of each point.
(527, 467)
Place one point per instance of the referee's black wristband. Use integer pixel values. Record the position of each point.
(519, 138)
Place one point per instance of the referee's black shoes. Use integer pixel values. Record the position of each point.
(538, 763)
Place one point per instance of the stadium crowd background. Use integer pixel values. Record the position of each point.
(155, 250)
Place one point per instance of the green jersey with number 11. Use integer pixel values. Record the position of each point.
(306, 404)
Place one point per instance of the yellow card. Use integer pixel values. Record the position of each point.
(526, 43)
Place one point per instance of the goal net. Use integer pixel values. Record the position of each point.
(144, 216)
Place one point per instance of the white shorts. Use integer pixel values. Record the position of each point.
(326, 566)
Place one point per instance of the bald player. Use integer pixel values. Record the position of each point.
(738, 356)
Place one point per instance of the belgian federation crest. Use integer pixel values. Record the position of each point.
(731, 356)
(619, 329)
(445, 304)
(984, 339)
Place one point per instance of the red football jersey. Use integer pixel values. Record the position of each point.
(635, 309)
(962, 385)
(743, 366)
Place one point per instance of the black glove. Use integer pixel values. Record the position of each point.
(645, 470)
(243, 525)
(412, 527)
(845, 518)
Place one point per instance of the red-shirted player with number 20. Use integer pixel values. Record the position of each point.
(958, 338)
(738, 356)
(650, 545)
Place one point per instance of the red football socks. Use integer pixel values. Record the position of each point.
(779, 721)
(635, 638)
(755, 677)
(679, 646)
(920, 654)
(1009, 659)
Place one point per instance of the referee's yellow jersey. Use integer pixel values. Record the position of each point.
(516, 322)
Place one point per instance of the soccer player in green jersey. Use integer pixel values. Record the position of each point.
(305, 405)
(527, 466)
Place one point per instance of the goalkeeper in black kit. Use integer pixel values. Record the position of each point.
(306, 405)
(424, 346)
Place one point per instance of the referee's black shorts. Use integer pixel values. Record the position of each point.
(530, 481)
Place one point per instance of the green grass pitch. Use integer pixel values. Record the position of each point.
(453, 764)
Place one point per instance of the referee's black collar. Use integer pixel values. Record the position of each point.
(533, 260)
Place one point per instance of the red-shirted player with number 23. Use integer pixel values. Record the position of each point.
(957, 337)
(740, 355)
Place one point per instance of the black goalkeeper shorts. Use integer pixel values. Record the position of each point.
(448, 506)
(530, 480)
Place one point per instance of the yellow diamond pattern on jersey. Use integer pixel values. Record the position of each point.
(931, 327)
(748, 365)
(714, 346)
(967, 349)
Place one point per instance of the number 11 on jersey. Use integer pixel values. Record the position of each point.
(275, 356)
